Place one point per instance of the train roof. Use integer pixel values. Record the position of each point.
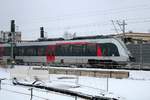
(92, 37)
(61, 39)
(76, 38)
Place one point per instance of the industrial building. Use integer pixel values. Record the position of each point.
(135, 37)
(5, 36)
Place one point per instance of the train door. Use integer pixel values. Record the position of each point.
(99, 50)
(50, 53)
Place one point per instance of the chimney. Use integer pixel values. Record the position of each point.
(42, 32)
(12, 25)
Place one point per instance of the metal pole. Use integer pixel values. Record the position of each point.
(77, 80)
(123, 30)
(12, 51)
(12, 42)
(141, 58)
(107, 84)
(0, 84)
(76, 97)
(31, 96)
(77, 77)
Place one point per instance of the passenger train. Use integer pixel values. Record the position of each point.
(81, 51)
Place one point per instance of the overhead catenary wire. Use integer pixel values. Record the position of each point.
(98, 24)
(116, 30)
(92, 13)
(78, 14)
(82, 15)
(85, 15)
(94, 24)
(138, 22)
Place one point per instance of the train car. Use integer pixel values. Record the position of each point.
(79, 51)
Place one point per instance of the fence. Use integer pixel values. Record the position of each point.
(141, 53)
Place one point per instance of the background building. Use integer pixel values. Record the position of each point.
(135, 37)
(5, 36)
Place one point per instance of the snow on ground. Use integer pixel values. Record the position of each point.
(136, 87)
(140, 75)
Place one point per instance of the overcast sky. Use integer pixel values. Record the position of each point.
(85, 17)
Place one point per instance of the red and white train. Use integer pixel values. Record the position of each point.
(90, 50)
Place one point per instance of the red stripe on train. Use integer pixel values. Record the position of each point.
(50, 53)
(99, 51)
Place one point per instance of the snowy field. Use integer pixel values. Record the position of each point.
(136, 87)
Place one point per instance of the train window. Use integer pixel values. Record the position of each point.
(24, 51)
(21, 51)
(77, 50)
(7, 51)
(35, 51)
(15, 51)
(18, 51)
(58, 47)
(109, 49)
(1, 51)
(63, 50)
(27, 51)
(105, 49)
(30, 51)
(41, 51)
(90, 50)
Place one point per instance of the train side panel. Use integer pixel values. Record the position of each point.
(71, 51)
